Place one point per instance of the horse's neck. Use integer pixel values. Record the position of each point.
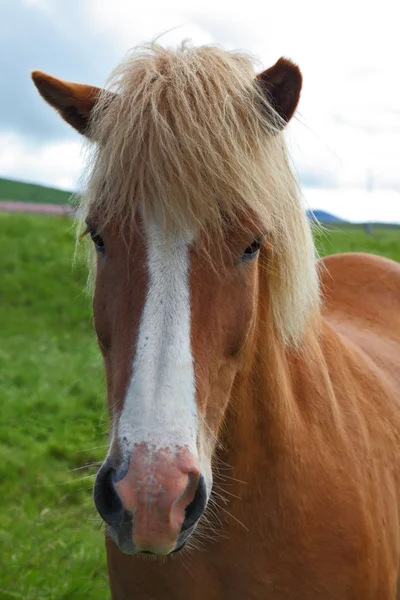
(275, 398)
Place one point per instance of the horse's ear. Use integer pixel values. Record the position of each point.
(281, 85)
(73, 101)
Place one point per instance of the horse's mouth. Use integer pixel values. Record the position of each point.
(177, 549)
(123, 539)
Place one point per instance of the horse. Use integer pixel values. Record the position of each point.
(253, 388)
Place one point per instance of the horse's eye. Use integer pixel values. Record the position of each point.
(98, 242)
(252, 250)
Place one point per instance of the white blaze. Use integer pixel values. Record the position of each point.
(160, 404)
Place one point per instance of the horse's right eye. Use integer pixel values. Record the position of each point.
(98, 242)
(252, 250)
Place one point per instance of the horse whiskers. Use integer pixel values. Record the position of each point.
(182, 556)
(88, 466)
(84, 489)
(69, 481)
(194, 544)
(213, 504)
(207, 531)
(97, 520)
(221, 497)
(208, 523)
(93, 448)
(213, 435)
(221, 465)
(232, 495)
(235, 518)
(223, 476)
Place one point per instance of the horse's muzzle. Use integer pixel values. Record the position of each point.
(153, 503)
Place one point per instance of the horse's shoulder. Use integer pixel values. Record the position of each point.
(361, 300)
(365, 277)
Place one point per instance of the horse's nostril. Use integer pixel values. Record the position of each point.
(106, 499)
(195, 509)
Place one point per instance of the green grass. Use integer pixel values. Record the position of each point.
(30, 192)
(52, 416)
(384, 241)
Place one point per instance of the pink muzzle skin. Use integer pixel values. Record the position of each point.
(157, 488)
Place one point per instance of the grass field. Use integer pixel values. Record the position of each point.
(385, 241)
(53, 421)
(30, 192)
(51, 417)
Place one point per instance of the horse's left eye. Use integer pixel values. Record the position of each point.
(252, 250)
(98, 242)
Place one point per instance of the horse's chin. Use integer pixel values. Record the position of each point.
(123, 541)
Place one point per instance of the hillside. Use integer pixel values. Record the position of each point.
(31, 192)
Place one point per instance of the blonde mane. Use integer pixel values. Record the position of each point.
(188, 135)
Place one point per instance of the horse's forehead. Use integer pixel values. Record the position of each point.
(160, 239)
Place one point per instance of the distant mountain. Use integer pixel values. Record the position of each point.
(323, 217)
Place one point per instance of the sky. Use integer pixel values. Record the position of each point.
(344, 140)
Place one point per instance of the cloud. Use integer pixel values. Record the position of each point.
(57, 163)
(125, 26)
(34, 37)
(356, 205)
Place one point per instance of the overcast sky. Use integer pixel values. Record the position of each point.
(347, 130)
